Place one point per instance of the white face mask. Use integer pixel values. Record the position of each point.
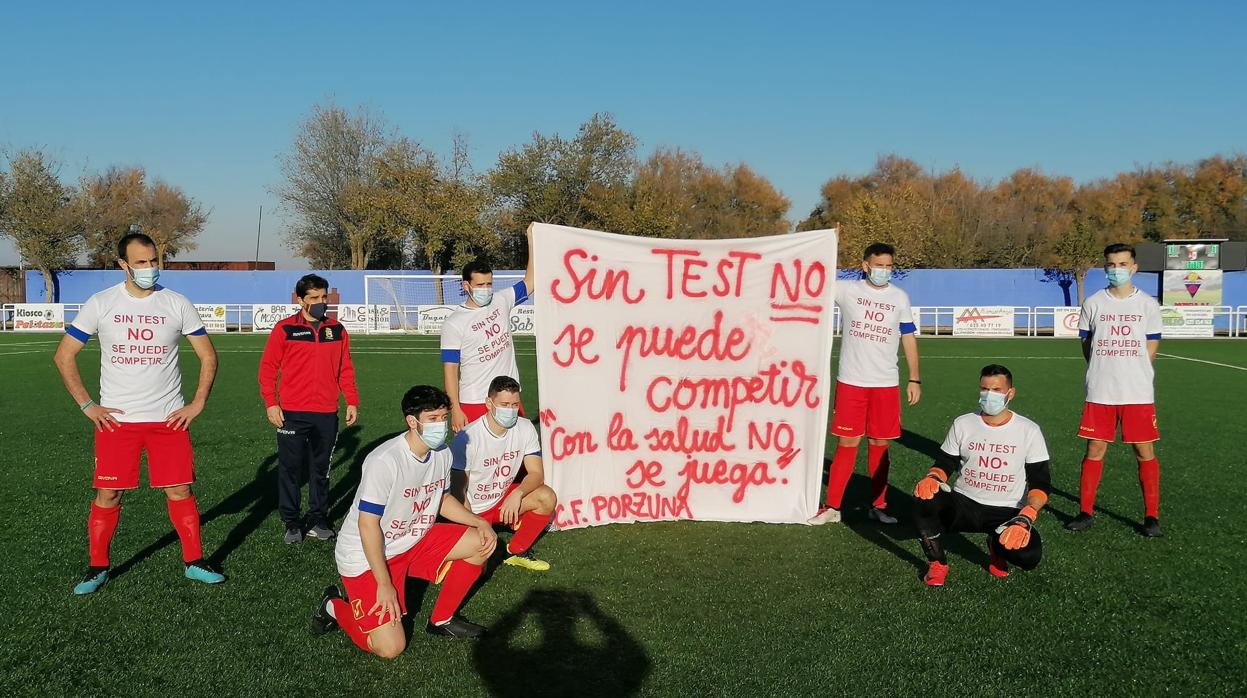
(880, 276)
(506, 416)
(145, 278)
(433, 434)
(482, 296)
(992, 403)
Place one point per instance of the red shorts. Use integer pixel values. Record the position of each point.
(1138, 423)
(493, 514)
(476, 410)
(170, 459)
(426, 560)
(871, 412)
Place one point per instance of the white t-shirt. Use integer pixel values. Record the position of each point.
(139, 340)
(491, 462)
(404, 491)
(479, 340)
(1120, 372)
(872, 321)
(994, 458)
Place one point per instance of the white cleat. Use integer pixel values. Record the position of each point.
(824, 516)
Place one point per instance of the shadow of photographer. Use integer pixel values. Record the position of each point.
(558, 642)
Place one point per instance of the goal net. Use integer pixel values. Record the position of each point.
(415, 304)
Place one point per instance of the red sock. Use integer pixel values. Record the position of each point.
(346, 620)
(1149, 480)
(458, 580)
(101, 524)
(878, 464)
(531, 526)
(1091, 472)
(185, 517)
(841, 471)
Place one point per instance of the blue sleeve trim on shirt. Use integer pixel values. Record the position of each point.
(1154, 336)
(534, 453)
(450, 356)
(908, 328)
(1083, 334)
(521, 292)
(77, 334)
(198, 333)
(371, 508)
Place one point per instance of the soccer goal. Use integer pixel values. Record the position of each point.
(416, 304)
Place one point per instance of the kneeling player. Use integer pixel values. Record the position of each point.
(1003, 484)
(391, 533)
(490, 451)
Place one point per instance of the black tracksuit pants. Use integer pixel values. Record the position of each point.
(311, 435)
(952, 511)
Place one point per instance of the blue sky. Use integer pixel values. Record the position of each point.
(207, 96)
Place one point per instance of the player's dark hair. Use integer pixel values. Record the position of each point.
(1119, 247)
(480, 265)
(878, 248)
(124, 243)
(310, 282)
(997, 370)
(503, 384)
(424, 398)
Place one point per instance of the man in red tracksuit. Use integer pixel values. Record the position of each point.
(311, 353)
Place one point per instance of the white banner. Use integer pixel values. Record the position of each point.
(1186, 321)
(983, 321)
(212, 316)
(38, 317)
(364, 319)
(683, 379)
(429, 318)
(1065, 322)
(265, 317)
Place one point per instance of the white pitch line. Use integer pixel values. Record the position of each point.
(1202, 361)
(17, 353)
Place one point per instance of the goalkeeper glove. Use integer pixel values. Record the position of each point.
(1016, 532)
(935, 481)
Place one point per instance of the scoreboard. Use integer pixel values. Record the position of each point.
(1195, 255)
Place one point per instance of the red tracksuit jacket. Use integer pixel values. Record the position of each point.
(314, 366)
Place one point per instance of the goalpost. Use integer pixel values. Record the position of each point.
(416, 303)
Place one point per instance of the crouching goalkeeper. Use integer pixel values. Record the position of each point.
(1003, 480)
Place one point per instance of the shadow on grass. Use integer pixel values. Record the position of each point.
(574, 649)
(258, 498)
(1064, 518)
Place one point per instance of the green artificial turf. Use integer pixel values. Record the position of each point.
(656, 609)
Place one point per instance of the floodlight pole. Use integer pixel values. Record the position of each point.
(257, 238)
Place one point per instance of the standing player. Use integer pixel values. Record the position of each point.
(490, 452)
(391, 533)
(1120, 329)
(312, 353)
(141, 408)
(476, 339)
(874, 318)
(1004, 482)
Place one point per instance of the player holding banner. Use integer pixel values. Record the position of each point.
(490, 452)
(1120, 327)
(476, 341)
(140, 325)
(1003, 483)
(875, 317)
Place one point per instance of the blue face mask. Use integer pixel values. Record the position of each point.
(992, 403)
(506, 416)
(880, 276)
(145, 278)
(482, 296)
(1118, 276)
(433, 434)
